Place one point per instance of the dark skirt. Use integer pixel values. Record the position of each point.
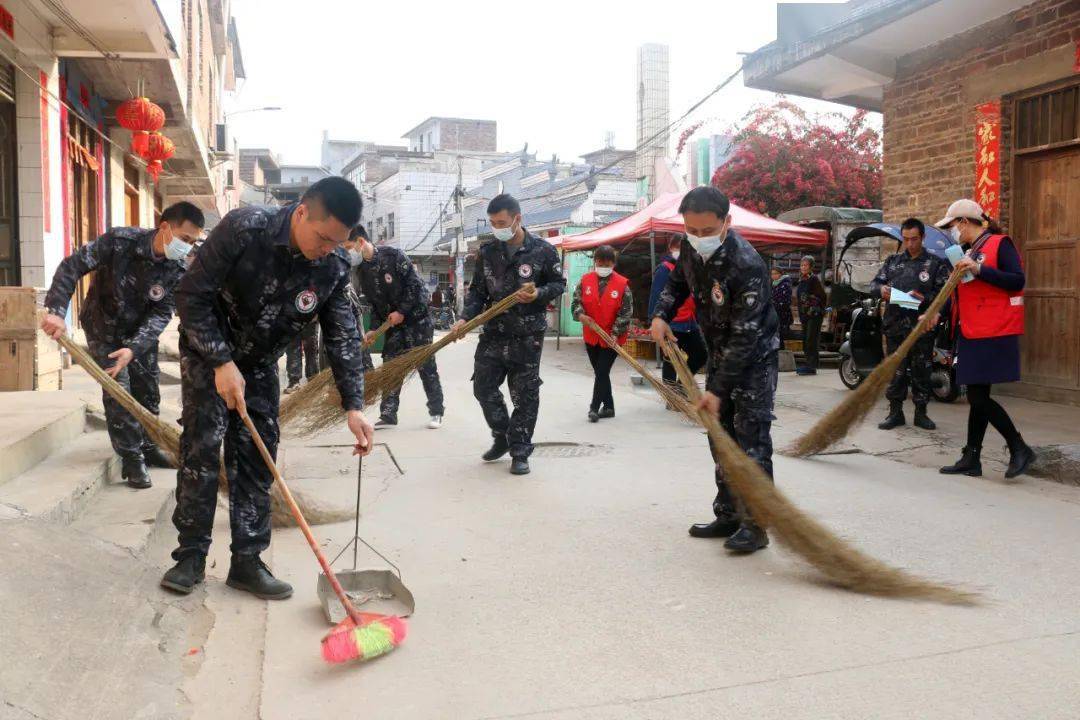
(987, 361)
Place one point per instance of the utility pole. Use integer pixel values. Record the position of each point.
(459, 245)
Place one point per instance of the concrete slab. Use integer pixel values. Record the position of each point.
(127, 517)
(575, 592)
(33, 424)
(60, 487)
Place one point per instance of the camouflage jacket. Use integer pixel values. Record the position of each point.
(248, 294)
(390, 283)
(925, 274)
(498, 274)
(732, 291)
(130, 300)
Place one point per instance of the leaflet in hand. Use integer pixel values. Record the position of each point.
(955, 253)
(904, 300)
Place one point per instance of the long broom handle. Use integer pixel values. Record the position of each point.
(301, 522)
(377, 333)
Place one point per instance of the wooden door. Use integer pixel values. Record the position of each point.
(1047, 228)
(83, 191)
(10, 272)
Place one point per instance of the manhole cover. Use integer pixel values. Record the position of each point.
(569, 449)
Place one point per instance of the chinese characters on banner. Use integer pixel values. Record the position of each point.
(987, 157)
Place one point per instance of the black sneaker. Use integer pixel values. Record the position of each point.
(156, 458)
(520, 466)
(249, 573)
(385, 421)
(185, 575)
(133, 469)
(499, 448)
(721, 527)
(749, 538)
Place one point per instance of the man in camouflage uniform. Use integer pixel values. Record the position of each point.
(915, 271)
(259, 278)
(511, 344)
(302, 357)
(129, 303)
(390, 283)
(730, 285)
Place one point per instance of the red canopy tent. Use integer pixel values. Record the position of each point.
(662, 216)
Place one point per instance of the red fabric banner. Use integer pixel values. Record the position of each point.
(988, 157)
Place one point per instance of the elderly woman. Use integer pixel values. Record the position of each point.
(990, 308)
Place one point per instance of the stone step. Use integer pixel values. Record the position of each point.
(59, 487)
(34, 424)
(129, 518)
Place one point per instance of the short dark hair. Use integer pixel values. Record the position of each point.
(505, 202)
(338, 197)
(706, 199)
(605, 253)
(675, 241)
(809, 259)
(914, 224)
(184, 211)
(358, 231)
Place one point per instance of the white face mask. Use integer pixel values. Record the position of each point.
(675, 254)
(705, 246)
(177, 249)
(604, 271)
(955, 232)
(503, 234)
(355, 257)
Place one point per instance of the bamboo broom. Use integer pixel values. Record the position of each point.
(673, 398)
(167, 437)
(841, 563)
(307, 413)
(839, 421)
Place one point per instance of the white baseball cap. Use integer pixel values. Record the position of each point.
(961, 209)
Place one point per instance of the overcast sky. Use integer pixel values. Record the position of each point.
(555, 74)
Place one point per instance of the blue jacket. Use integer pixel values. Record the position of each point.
(660, 278)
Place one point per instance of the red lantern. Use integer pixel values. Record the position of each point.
(158, 149)
(141, 117)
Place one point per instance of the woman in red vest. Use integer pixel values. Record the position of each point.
(990, 310)
(603, 295)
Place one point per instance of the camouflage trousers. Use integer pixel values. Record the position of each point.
(914, 369)
(399, 340)
(140, 378)
(302, 354)
(746, 413)
(207, 424)
(515, 360)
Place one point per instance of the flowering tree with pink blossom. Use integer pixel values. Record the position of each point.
(785, 158)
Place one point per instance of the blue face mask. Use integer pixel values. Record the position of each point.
(177, 249)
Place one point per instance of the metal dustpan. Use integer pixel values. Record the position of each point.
(377, 590)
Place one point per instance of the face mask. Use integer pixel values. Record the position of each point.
(177, 249)
(705, 246)
(604, 271)
(955, 232)
(355, 257)
(503, 234)
(675, 254)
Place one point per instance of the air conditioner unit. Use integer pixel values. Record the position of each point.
(221, 141)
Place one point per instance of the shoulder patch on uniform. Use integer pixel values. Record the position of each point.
(557, 268)
(750, 299)
(306, 301)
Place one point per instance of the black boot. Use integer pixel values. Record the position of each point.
(594, 416)
(923, 420)
(156, 458)
(1020, 456)
(895, 418)
(520, 466)
(133, 469)
(186, 574)
(968, 464)
(750, 538)
(499, 448)
(607, 412)
(248, 572)
(722, 527)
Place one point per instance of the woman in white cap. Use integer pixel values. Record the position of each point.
(990, 308)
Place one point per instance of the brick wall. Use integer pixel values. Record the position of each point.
(476, 135)
(929, 110)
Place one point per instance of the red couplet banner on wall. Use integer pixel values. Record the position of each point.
(988, 157)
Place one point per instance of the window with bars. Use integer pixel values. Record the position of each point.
(1048, 119)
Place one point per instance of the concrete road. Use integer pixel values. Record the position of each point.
(575, 592)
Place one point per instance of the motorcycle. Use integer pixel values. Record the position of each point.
(862, 349)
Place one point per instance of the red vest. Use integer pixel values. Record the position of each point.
(986, 310)
(687, 310)
(602, 308)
